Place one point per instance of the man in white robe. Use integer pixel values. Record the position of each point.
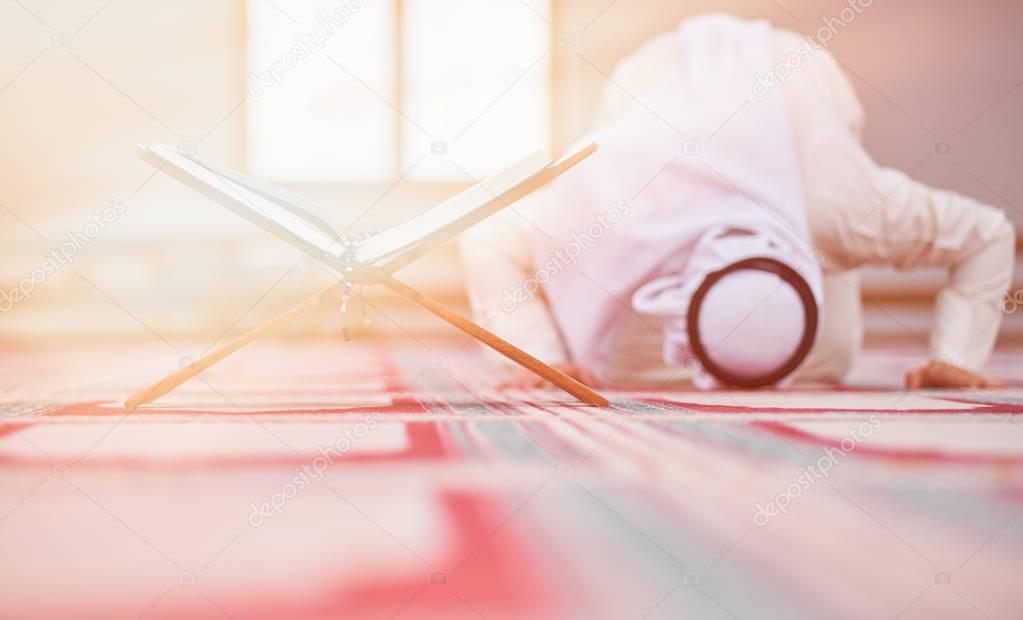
(588, 314)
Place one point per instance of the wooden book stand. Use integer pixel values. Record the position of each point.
(381, 275)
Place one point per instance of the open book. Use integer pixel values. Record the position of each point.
(300, 222)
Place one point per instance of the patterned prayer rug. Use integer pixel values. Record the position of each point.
(392, 481)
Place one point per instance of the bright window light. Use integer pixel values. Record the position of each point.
(477, 76)
(319, 76)
(335, 97)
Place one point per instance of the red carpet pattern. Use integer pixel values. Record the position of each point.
(369, 481)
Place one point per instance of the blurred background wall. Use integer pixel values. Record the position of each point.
(82, 82)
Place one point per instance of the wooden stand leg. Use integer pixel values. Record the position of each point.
(503, 347)
(331, 295)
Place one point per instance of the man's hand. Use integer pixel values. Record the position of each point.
(938, 374)
(527, 380)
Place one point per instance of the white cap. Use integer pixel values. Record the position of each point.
(751, 322)
(749, 300)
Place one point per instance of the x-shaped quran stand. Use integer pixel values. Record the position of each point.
(381, 275)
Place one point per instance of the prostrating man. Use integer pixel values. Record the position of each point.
(721, 227)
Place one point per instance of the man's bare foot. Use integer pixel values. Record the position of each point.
(526, 380)
(938, 374)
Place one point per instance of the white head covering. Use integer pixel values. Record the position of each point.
(750, 322)
(751, 311)
(701, 155)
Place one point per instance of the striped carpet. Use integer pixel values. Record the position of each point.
(347, 480)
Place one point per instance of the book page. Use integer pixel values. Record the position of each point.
(393, 241)
(277, 219)
(284, 198)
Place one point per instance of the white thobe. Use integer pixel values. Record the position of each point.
(859, 214)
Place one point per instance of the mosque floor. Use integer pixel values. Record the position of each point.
(364, 480)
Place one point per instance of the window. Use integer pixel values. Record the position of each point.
(368, 91)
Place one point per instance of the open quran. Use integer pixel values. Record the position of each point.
(302, 223)
(366, 259)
